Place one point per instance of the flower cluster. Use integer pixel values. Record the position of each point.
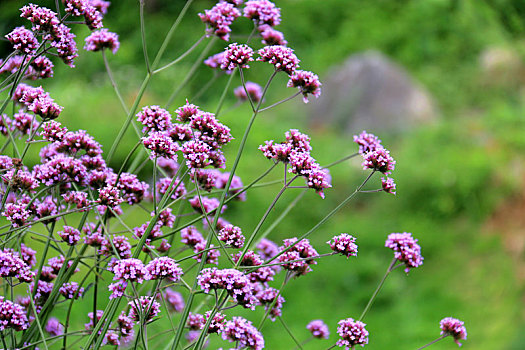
(102, 39)
(219, 18)
(297, 256)
(352, 333)
(241, 331)
(318, 329)
(234, 282)
(12, 316)
(406, 250)
(254, 91)
(236, 55)
(344, 244)
(295, 152)
(453, 327)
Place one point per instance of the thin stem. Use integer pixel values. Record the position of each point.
(181, 57)
(224, 93)
(341, 160)
(290, 333)
(282, 101)
(113, 82)
(143, 36)
(241, 73)
(434, 341)
(378, 289)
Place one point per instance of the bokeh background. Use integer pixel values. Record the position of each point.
(440, 81)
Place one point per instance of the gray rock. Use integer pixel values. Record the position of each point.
(371, 92)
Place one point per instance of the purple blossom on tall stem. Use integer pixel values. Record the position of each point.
(453, 327)
(344, 244)
(379, 160)
(237, 55)
(164, 267)
(23, 40)
(236, 284)
(352, 333)
(271, 36)
(262, 12)
(219, 18)
(54, 327)
(141, 306)
(306, 82)
(208, 204)
(53, 131)
(231, 236)
(187, 112)
(241, 331)
(12, 316)
(160, 145)
(132, 270)
(109, 196)
(70, 235)
(281, 57)
(300, 251)
(71, 290)
(154, 118)
(406, 250)
(367, 142)
(254, 91)
(17, 214)
(388, 185)
(175, 300)
(102, 39)
(215, 61)
(318, 329)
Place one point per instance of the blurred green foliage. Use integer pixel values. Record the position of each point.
(451, 175)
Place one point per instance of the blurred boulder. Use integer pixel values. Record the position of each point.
(371, 92)
(503, 67)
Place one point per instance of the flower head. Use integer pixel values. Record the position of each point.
(379, 160)
(70, 235)
(130, 270)
(141, 306)
(102, 39)
(219, 18)
(306, 82)
(453, 327)
(161, 145)
(281, 57)
(262, 12)
(352, 333)
(367, 142)
(318, 329)
(23, 40)
(301, 251)
(54, 327)
(237, 55)
(231, 236)
(254, 91)
(241, 331)
(154, 118)
(175, 300)
(12, 316)
(406, 249)
(344, 244)
(388, 185)
(164, 267)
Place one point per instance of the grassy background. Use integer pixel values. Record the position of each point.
(454, 177)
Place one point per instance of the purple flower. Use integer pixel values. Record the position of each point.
(241, 331)
(125, 324)
(212, 255)
(191, 237)
(271, 36)
(79, 199)
(132, 189)
(215, 61)
(11, 265)
(208, 205)
(74, 142)
(164, 267)
(17, 214)
(84, 8)
(277, 151)
(231, 236)
(234, 282)
(23, 40)
(42, 68)
(210, 130)
(205, 178)
(112, 338)
(53, 131)
(166, 217)
(6, 162)
(301, 163)
(318, 329)
(54, 327)
(70, 235)
(379, 160)
(20, 180)
(24, 122)
(254, 90)
(169, 165)
(453, 327)
(217, 323)
(180, 132)
(388, 185)
(28, 255)
(121, 244)
(267, 249)
(175, 300)
(187, 112)
(406, 249)
(39, 102)
(262, 12)
(94, 237)
(154, 118)
(109, 196)
(235, 185)
(267, 297)
(117, 289)
(70, 289)
(263, 274)
(42, 18)
(43, 290)
(344, 244)
(141, 306)
(367, 142)
(60, 168)
(12, 316)
(352, 333)
(102, 39)
(177, 190)
(129, 270)
(195, 321)
(300, 142)
(57, 262)
(219, 18)
(281, 57)
(100, 5)
(160, 145)
(307, 82)
(301, 251)
(89, 326)
(237, 55)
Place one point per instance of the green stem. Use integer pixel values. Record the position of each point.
(378, 289)
(290, 333)
(434, 341)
